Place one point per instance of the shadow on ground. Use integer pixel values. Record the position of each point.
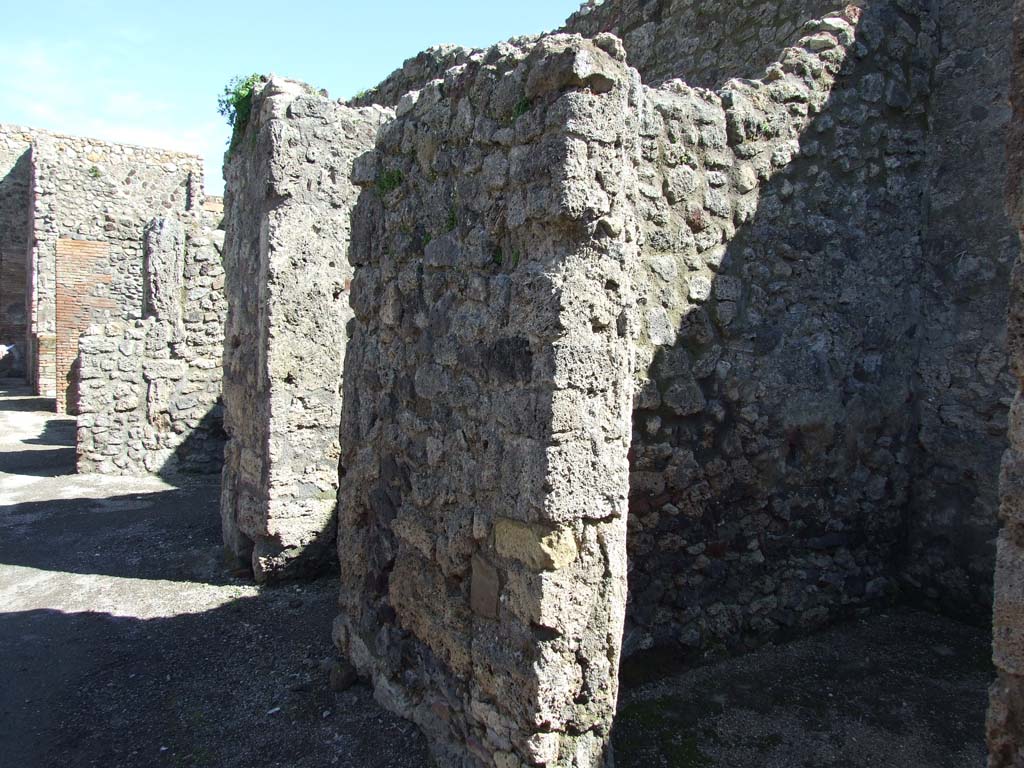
(26, 455)
(242, 685)
(126, 643)
(902, 689)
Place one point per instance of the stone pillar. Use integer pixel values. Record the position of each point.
(487, 399)
(164, 276)
(288, 204)
(1005, 727)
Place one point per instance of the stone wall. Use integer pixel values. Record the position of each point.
(289, 199)
(878, 356)
(702, 43)
(965, 387)
(149, 389)
(800, 413)
(15, 228)
(785, 274)
(772, 441)
(414, 73)
(486, 405)
(1006, 710)
(84, 189)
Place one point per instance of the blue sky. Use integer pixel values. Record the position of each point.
(150, 73)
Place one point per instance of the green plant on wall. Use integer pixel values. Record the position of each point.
(235, 104)
(389, 181)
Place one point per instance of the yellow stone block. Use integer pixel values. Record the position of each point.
(538, 547)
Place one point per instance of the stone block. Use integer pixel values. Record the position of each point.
(485, 588)
(538, 547)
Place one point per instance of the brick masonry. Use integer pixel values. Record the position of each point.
(83, 282)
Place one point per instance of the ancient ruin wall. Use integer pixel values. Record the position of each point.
(965, 387)
(772, 439)
(287, 219)
(702, 43)
(89, 190)
(149, 389)
(15, 230)
(1005, 726)
(415, 73)
(486, 405)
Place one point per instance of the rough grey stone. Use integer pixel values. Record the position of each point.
(288, 203)
(149, 390)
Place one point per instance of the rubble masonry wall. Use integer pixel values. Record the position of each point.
(964, 386)
(89, 190)
(772, 442)
(704, 44)
(149, 391)
(805, 344)
(486, 410)
(1005, 726)
(289, 199)
(15, 229)
(930, 82)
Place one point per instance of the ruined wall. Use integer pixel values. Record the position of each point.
(289, 199)
(965, 387)
(486, 405)
(851, 440)
(149, 389)
(15, 229)
(772, 440)
(414, 73)
(702, 43)
(793, 297)
(84, 189)
(1005, 727)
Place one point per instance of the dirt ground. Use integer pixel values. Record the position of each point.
(124, 642)
(901, 689)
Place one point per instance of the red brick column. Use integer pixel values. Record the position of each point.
(83, 269)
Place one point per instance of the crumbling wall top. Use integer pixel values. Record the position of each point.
(704, 43)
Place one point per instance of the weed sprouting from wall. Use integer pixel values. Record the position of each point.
(389, 181)
(235, 104)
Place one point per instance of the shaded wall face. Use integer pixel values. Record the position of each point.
(288, 208)
(93, 191)
(703, 43)
(486, 406)
(964, 386)
(15, 227)
(244, 482)
(773, 436)
(845, 413)
(1005, 729)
